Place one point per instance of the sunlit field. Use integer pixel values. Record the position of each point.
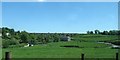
(86, 44)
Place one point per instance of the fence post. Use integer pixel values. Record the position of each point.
(82, 56)
(7, 56)
(116, 56)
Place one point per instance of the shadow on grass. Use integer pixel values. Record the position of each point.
(61, 59)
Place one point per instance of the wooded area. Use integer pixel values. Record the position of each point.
(20, 38)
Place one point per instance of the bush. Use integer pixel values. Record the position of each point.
(16, 46)
(6, 43)
(33, 42)
(13, 42)
(21, 45)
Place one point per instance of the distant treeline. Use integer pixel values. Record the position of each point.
(19, 38)
(111, 32)
(12, 37)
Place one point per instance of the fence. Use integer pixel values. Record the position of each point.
(8, 56)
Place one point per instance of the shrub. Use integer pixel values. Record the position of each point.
(16, 46)
(6, 43)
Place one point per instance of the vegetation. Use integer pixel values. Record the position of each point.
(48, 45)
(12, 37)
(54, 50)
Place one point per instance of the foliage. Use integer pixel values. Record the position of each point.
(111, 32)
(24, 37)
(17, 46)
(6, 43)
(12, 37)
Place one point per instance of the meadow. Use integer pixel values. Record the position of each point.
(0, 48)
(87, 44)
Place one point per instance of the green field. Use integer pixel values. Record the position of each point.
(87, 45)
(0, 48)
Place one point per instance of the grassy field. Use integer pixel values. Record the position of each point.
(96, 37)
(53, 50)
(87, 45)
(0, 48)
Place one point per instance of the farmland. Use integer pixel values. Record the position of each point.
(59, 30)
(87, 44)
(0, 48)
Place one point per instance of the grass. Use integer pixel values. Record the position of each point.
(0, 48)
(89, 47)
(96, 37)
(53, 50)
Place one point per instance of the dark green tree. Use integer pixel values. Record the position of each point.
(105, 33)
(24, 37)
(97, 32)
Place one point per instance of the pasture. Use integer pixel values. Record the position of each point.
(0, 48)
(86, 44)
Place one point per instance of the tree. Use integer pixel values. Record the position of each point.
(105, 33)
(97, 31)
(88, 32)
(0, 30)
(91, 32)
(7, 42)
(118, 32)
(4, 31)
(24, 37)
(32, 39)
(13, 41)
(113, 32)
(12, 32)
(39, 38)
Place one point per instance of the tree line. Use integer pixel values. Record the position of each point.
(111, 32)
(10, 37)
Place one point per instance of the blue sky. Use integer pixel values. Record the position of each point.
(60, 0)
(76, 17)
